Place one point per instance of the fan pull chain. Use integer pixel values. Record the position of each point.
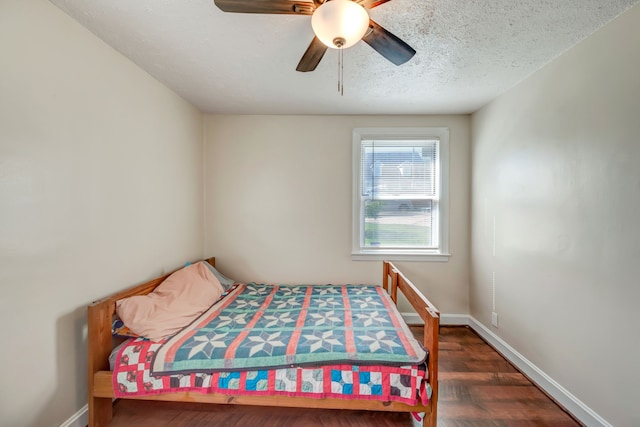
(339, 43)
(341, 71)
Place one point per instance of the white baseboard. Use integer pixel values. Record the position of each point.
(79, 419)
(571, 403)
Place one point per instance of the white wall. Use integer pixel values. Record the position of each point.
(556, 161)
(278, 202)
(100, 188)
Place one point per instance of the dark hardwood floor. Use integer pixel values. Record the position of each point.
(478, 388)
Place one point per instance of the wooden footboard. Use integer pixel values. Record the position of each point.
(392, 281)
(100, 343)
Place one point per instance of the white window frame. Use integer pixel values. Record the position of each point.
(439, 254)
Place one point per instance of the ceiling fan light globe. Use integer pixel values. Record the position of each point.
(340, 20)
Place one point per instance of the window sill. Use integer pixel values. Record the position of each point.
(390, 255)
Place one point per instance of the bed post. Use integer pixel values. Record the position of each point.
(99, 343)
(385, 276)
(431, 334)
(394, 288)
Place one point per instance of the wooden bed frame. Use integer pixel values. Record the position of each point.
(100, 342)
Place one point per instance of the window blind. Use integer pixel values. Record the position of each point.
(399, 193)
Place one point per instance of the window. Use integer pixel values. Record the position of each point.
(400, 194)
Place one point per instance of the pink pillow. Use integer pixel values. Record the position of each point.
(175, 303)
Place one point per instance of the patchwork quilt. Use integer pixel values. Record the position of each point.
(407, 384)
(278, 326)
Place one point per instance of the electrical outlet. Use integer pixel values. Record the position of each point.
(494, 319)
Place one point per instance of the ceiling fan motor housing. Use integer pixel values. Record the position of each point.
(340, 24)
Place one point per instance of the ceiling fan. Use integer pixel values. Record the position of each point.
(336, 23)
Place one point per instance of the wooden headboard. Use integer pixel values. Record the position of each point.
(100, 340)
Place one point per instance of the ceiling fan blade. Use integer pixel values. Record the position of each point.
(388, 45)
(312, 56)
(370, 4)
(266, 6)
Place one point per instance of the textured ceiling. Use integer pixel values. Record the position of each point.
(468, 52)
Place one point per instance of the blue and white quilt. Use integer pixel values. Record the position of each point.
(271, 326)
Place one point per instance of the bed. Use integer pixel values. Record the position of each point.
(103, 383)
